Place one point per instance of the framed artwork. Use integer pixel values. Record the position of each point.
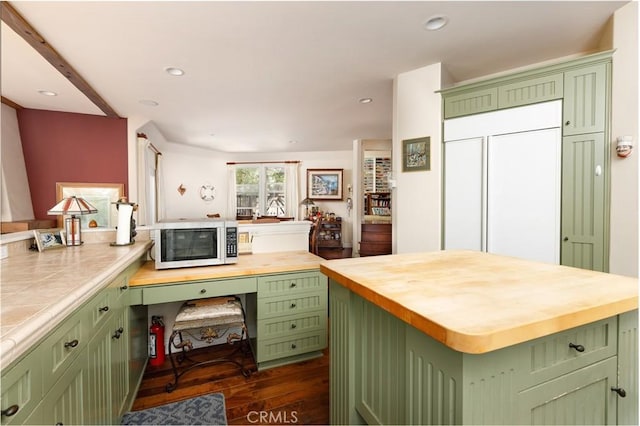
(416, 154)
(324, 184)
(100, 195)
(47, 239)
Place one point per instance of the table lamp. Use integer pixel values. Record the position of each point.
(307, 202)
(72, 206)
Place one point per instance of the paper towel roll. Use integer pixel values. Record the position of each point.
(123, 234)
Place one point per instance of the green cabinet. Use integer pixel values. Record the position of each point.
(291, 317)
(585, 100)
(385, 371)
(80, 373)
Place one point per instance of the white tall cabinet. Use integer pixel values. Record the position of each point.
(502, 181)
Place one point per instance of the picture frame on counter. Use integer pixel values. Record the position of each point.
(416, 154)
(47, 239)
(99, 195)
(324, 184)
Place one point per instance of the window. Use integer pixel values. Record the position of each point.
(260, 189)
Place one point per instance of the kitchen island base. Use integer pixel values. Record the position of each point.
(385, 371)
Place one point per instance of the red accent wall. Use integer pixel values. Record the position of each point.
(67, 147)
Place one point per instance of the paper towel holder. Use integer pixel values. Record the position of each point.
(125, 216)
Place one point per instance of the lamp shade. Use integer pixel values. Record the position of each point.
(72, 206)
(307, 202)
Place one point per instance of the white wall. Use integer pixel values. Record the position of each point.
(418, 195)
(16, 196)
(624, 172)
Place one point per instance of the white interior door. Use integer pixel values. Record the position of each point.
(463, 201)
(523, 195)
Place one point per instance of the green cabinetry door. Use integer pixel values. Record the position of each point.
(583, 397)
(21, 389)
(473, 102)
(66, 401)
(119, 334)
(628, 368)
(529, 91)
(585, 100)
(583, 202)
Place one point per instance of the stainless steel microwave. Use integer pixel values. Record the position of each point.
(195, 242)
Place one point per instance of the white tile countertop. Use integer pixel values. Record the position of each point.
(38, 290)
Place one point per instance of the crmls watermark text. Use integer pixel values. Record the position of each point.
(268, 417)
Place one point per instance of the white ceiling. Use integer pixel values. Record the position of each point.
(259, 75)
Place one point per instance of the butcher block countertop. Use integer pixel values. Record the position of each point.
(248, 264)
(477, 302)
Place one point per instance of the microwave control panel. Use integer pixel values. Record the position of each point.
(232, 242)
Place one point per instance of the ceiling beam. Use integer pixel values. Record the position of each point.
(12, 104)
(15, 21)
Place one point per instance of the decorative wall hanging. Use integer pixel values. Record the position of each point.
(207, 192)
(416, 154)
(324, 184)
(182, 189)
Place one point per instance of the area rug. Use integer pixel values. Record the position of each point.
(201, 410)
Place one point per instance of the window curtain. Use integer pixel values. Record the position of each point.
(232, 200)
(150, 199)
(159, 187)
(292, 191)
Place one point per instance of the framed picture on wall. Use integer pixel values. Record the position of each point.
(416, 154)
(324, 184)
(100, 195)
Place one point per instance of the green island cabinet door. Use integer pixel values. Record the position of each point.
(583, 202)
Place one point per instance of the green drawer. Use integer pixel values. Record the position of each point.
(22, 387)
(62, 346)
(287, 284)
(294, 345)
(290, 325)
(101, 307)
(181, 292)
(288, 305)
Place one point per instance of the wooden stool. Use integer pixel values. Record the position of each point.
(206, 320)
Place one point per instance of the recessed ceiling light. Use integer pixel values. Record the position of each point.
(47, 93)
(436, 22)
(148, 102)
(174, 71)
(365, 100)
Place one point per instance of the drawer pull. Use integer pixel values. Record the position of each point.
(621, 392)
(567, 123)
(578, 348)
(104, 309)
(293, 346)
(203, 291)
(10, 411)
(293, 326)
(71, 344)
(118, 333)
(293, 285)
(59, 424)
(293, 305)
(124, 287)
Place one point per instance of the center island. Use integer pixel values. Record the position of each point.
(463, 337)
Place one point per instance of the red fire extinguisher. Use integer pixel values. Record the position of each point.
(156, 341)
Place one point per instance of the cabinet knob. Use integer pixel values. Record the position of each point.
(567, 123)
(293, 285)
(124, 287)
(118, 333)
(10, 411)
(565, 239)
(578, 348)
(621, 392)
(293, 305)
(293, 346)
(71, 344)
(293, 326)
(103, 309)
(203, 291)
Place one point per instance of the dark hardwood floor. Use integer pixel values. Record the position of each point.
(292, 394)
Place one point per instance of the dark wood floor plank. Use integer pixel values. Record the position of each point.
(291, 394)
